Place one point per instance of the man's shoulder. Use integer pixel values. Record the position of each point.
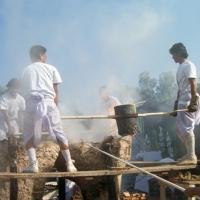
(20, 97)
(188, 63)
(37, 65)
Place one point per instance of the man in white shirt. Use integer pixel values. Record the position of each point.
(187, 97)
(108, 104)
(40, 87)
(12, 106)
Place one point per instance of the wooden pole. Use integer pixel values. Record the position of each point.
(162, 180)
(134, 115)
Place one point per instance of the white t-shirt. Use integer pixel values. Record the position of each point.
(185, 71)
(12, 106)
(40, 77)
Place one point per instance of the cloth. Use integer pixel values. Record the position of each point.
(13, 105)
(42, 114)
(108, 108)
(185, 71)
(40, 77)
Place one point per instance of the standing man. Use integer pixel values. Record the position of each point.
(12, 106)
(108, 104)
(187, 97)
(40, 86)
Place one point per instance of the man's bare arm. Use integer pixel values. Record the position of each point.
(193, 86)
(7, 120)
(55, 86)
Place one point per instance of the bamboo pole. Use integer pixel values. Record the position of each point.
(134, 115)
(142, 170)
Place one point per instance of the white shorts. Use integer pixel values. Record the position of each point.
(186, 121)
(42, 115)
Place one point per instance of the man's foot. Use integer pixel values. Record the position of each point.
(70, 167)
(32, 168)
(182, 158)
(188, 160)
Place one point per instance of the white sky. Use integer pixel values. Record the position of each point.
(94, 43)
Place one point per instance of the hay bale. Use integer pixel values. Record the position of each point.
(119, 147)
(86, 158)
(4, 167)
(46, 154)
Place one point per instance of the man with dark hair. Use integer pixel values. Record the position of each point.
(40, 87)
(36, 50)
(187, 97)
(12, 106)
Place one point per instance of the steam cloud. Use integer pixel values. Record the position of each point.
(92, 44)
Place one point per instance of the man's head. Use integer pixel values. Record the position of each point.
(13, 86)
(38, 53)
(178, 52)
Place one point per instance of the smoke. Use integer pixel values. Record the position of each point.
(91, 44)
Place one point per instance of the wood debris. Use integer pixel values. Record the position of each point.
(133, 196)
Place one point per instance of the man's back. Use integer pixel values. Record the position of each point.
(40, 77)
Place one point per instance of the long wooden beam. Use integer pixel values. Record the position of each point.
(165, 168)
(134, 115)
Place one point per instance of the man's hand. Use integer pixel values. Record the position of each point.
(193, 107)
(174, 114)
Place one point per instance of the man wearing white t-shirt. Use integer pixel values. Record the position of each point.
(40, 87)
(12, 106)
(187, 97)
(109, 102)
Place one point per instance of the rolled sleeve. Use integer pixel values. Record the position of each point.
(191, 71)
(56, 77)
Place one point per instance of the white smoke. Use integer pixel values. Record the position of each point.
(92, 44)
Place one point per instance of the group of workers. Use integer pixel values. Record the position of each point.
(39, 87)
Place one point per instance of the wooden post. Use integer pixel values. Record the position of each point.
(118, 181)
(12, 146)
(162, 191)
(191, 198)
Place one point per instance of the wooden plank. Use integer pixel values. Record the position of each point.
(157, 169)
(151, 163)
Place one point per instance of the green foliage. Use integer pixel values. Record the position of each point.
(147, 86)
(2, 90)
(157, 93)
(159, 96)
(166, 89)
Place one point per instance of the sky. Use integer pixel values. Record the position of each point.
(97, 42)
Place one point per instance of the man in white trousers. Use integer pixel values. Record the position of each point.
(187, 97)
(40, 88)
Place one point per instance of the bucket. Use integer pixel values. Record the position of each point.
(126, 126)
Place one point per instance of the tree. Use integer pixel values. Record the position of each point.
(159, 95)
(2, 89)
(166, 90)
(147, 90)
